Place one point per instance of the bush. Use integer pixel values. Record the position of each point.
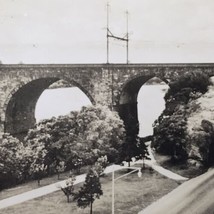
(195, 81)
(15, 161)
(203, 139)
(170, 135)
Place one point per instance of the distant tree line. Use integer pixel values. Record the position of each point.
(60, 84)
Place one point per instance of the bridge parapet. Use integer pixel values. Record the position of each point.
(108, 84)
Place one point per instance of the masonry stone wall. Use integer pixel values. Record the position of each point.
(114, 85)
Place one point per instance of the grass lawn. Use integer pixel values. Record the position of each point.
(181, 168)
(132, 194)
(29, 186)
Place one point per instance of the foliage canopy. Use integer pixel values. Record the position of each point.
(170, 136)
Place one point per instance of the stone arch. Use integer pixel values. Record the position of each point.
(19, 107)
(128, 101)
(131, 87)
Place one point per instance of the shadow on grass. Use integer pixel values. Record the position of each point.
(181, 168)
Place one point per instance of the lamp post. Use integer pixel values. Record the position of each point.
(134, 169)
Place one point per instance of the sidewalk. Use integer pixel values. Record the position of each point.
(81, 178)
(48, 189)
(37, 192)
(152, 163)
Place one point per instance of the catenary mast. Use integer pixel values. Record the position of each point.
(109, 34)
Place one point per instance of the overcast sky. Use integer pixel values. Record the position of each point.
(74, 31)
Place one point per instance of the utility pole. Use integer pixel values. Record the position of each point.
(127, 37)
(109, 34)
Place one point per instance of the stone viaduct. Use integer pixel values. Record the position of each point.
(114, 85)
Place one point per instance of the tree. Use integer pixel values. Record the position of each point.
(170, 135)
(128, 150)
(55, 134)
(74, 161)
(142, 151)
(38, 167)
(202, 144)
(134, 149)
(90, 191)
(68, 189)
(12, 151)
(102, 131)
(60, 168)
(101, 164)
(17, 160)
(79, 138)
(187, 83)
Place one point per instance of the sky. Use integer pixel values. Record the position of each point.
(60, 101)
(74, 31)
(150, 109)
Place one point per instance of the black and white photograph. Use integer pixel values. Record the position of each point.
(106, 107)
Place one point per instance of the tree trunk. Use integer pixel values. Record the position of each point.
(143, 163)
(91, 203)
(68, 199)
(91, 208)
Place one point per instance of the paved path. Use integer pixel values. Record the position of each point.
(81, 178)
(37, 193)
(48, 189)
(153, 164)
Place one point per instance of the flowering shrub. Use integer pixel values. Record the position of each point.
(79, 138)
(17, 160)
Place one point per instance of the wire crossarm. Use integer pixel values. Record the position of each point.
(137, 169)
(109, 34)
